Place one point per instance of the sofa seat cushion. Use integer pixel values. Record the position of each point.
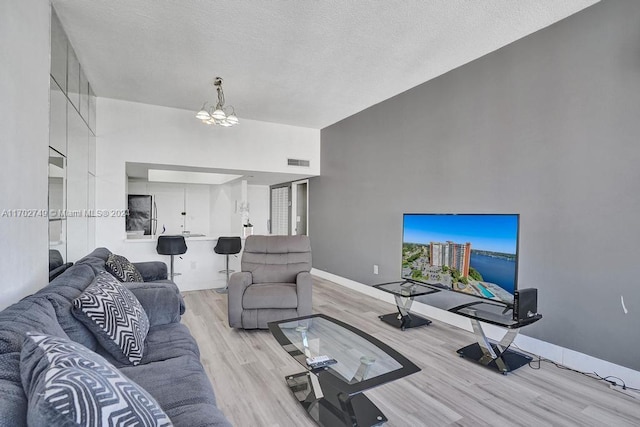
(270, 295)
(69, 385)
(122, 269)
(163, 342)
(181, 387)
(169, 341)
(115, 317)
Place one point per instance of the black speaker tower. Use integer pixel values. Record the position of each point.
(525, 304)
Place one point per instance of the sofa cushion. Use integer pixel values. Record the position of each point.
(270, 295)
(74, 328)
(69, 385)
(102, 253)
(183, 390)
(78, 277)
(61, 293)
(13, 406)
(115, 317)
(122, 269)
(33, 313)
(59, 270)
(169, 341)
(152, 271)
(161, 300)
(163, 342)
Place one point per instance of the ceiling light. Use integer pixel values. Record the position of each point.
(218, 115)
(232, 118)
(203, 114)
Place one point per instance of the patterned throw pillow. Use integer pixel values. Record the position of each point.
(69, 385)
(122, 269)
(114, 315)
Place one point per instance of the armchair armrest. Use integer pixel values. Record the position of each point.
(304, 284)
(238, 283)
(152, 270)
(161, 301)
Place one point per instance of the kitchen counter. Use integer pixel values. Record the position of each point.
(188, 238)
(198, 268)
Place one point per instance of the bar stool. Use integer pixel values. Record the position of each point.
(171, 245)
(227, 246)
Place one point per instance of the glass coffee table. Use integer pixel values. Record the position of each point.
(404, 292)
(332, 395)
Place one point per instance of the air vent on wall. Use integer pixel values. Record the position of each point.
(298, 162)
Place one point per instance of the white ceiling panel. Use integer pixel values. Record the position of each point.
(306, 63)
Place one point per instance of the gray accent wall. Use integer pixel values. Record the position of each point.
(547, 127)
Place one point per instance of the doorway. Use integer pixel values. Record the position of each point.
(289, 208)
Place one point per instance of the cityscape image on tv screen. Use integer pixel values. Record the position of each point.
(476, 254)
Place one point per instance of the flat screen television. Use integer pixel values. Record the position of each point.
(475, 254)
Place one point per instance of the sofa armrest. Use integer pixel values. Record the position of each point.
(152, 270)
(238, 283)
(304, 284)
(161, 301)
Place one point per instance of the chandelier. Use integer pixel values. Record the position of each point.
(218, 115)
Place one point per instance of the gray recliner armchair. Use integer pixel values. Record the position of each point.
(274, 282)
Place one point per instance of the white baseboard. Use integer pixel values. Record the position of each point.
(563, 356)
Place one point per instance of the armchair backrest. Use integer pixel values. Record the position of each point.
(276, 259)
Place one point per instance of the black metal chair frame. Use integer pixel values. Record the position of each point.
(227, 246)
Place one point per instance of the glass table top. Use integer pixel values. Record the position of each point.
(406, 288)
(362, 360)
(495, 314)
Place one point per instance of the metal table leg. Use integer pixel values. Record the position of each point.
(404, 318)
(495, 355)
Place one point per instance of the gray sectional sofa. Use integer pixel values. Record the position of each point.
(170, 369)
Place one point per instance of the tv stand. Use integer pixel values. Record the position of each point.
(496, 355)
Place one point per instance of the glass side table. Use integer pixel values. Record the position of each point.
(404, 292)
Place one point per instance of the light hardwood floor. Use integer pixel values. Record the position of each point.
(247, 370)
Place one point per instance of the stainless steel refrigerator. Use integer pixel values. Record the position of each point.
(142, 214)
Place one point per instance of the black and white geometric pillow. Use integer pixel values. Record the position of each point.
(122, 269)
(69, 385)
(114, 315)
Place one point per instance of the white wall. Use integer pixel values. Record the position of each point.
(134, 132)
(220, 210)
(24, 140)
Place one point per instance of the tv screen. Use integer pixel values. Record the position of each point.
(475, 254)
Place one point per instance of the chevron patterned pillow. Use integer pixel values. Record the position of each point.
(116, 318)
(122, 269)
(69, 385)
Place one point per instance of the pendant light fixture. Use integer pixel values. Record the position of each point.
(218, 114)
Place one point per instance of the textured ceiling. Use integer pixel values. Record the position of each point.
(306, 63)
